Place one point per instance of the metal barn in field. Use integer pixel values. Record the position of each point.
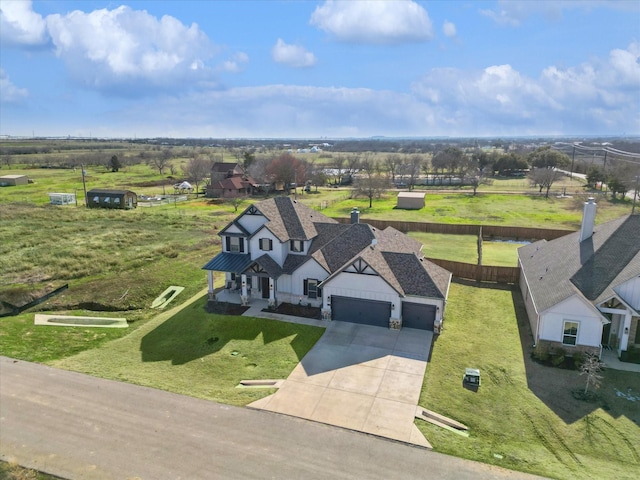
(106, 198)
(62, 198)
(410, 200)
(12, 180)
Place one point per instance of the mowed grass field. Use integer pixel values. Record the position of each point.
(524, 416)
(487, 209)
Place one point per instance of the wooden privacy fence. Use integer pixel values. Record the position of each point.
(481, 273)
(488, 231)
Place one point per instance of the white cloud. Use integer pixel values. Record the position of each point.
(292, 55)
(125, 47)
(449, 29)
(9, 93)
(375, 22)
(20, 25)
(514, 12)
(235, 63)
(598, 96)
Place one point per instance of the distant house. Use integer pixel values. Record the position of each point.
(410, 200)
(582, 290)
(13, 180)
(106, 198)
(280, 250)
(229, 180)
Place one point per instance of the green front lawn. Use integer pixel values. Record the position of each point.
(201, 354)
(524, 416)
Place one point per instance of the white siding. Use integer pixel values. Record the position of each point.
(251, 223)
(233, 229)
(528, 303)
(277, 253)
(573, 309)
(310, 269)
(630, 292)
(369, 287)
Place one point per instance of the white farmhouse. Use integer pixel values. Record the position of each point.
(283, 251)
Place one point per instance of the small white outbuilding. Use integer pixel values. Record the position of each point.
(410, 200)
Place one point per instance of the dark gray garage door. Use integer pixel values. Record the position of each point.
(418, 315)
(368, 312)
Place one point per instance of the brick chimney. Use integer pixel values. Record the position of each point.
(588, 219)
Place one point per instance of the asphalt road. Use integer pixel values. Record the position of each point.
(81, 427)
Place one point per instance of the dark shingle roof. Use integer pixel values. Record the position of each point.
(269, 265)
(291, 220)
(344, 247)
(418, 276)
(292, 262)
(395, 257)
(563, 267)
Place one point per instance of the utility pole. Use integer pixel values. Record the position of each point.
(84, 186)
(635, 195)
(573, 157)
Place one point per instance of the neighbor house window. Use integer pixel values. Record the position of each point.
(310, 288)
(297, 246)
(96, 199)
(266, 244)
(235, 244)
(106, 199)
(116, 200)
(570, 333)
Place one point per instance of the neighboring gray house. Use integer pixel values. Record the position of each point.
(582, 291)
(283, 251)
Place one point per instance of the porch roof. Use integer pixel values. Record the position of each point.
(229, 262)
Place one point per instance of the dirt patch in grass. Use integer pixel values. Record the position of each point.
(296, 310)
(225, 308)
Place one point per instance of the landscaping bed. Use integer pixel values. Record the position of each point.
(225, 308)
(296, 310)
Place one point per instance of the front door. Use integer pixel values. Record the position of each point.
(264, 286)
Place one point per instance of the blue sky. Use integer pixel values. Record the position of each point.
(311, 69)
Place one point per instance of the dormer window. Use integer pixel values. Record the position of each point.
(296, 245)
(235, 244)
(266, 244)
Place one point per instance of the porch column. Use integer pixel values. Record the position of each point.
(272, 292)
(244, 285)
(210, 282)
(624, 330)
(244, 298)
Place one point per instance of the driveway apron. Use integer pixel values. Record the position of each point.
(359, 377)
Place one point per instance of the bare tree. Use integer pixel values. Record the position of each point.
(392, 162)
(196, 170)
(414, 166)
(544, 178)
(591, 367)
(371, 182)
(476, 177)
(287, 169)
(160, 162)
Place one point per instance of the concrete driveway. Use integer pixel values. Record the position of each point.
(359, 377)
